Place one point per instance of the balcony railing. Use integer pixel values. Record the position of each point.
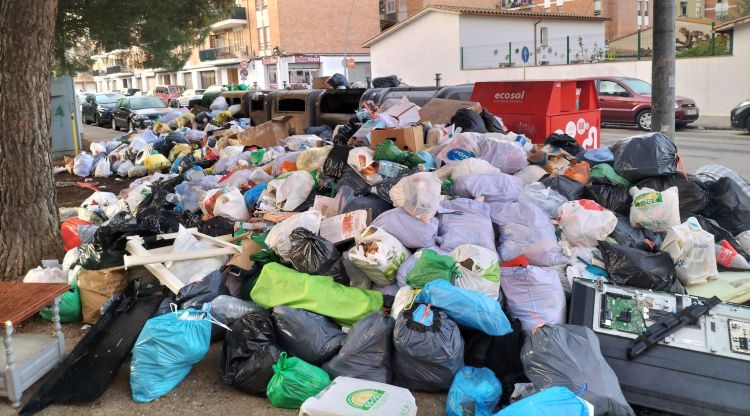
(117, 69)
(222, 52)
(235, 17)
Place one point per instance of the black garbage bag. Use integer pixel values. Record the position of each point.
(612, 196)
(570, 356)
(427, 349)
(311, 253)
(468, 120)
(217, 226)
(389, 81)
(173, 138)
(644, 156)
(693, 194)
(564, 142)
(336, 160)
(639, 238)
(202, 119)
(309, 336)
(491, 123)
(323, 131)
(194, 295)
(344, 133)
(376, 205)
(351, 178)
(307, 203)
(249, 353)
(567, 187)
(629, 266)
(720, 234)
(366, 353)
(338, 80)
(107, 247)
(729, 205)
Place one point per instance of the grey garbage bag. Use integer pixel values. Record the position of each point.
(526, 230)
(569, 356)
(366, 353)
(535, 295)
(465, 221)
(412, 232)
(494, 187)
(507, 156)
(309, 336)
(427, 349)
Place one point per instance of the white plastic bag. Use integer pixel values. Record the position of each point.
(417, 194)
(403, 298)
(71, 256)
(584, 222)
(313, 158)
(278, 237)
(234, 109)
(103, 168)
(231, 204)
(93, 209)
(378, 254)
(219, 103)
(479, 267)
(124, 167)
(46, 275)
(547, 199)
(97, 148)
(82, 164)
(190, 271)
(655, 211)
(136, 196)
(471, 166)
(291, 190)
(507, 156)
(362, 159)
(693, 253)
(460, 147)
(744, 239)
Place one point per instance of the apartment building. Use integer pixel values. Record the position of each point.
(264, 44)
(720, 9)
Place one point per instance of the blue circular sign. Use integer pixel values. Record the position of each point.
(525, 55)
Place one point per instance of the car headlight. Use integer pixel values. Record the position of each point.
(102, 110)
(676, 105)
(140, 117)
(744, 103)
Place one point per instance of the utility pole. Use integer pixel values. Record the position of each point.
(663, 68)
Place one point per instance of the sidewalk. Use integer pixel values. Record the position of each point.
(711, 123)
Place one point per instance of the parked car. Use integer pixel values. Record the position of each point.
(189, 95)
(129, 91)
(97, 108)
(169, 93)
(740, 115)
(628, 101)
(138, 111)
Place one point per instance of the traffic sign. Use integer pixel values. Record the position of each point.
(243, 73)
(525, 55)
(243, 64)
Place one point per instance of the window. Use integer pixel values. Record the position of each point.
(261, 39)
(639, 86)
(160, 90)
(683, 8)
(140, 103)
(543, 36)
(208, 78)
(612, 89)
(237, 43)
(390, 6)
(122, 103)
(188, 77)
(267, 30)
(260, 4)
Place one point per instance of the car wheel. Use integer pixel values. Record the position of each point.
(97, 121)
(747, 124)
(680, 125)
(643, 120)
(114, 124)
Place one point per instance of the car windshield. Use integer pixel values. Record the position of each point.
(108, 98)
(176, 88)
(140, 103)
(639, 86)
(199, 92)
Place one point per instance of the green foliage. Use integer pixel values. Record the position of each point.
(165, 30)
(703, 48)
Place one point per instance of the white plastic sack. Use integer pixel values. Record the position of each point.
(82, 164)
(278, 237)
(300, 141)
(655, 211)
(378, 254)
(114, 209)
(46, 275)
(472, 166)
(460, 147)
(124, 167)
(404, 297)
(195, 135)
(103, 168)
(534, 294)
(219, 104)
(547, 199)
(361, 159)
(290, 191)
(231, 204)
(530, 174)
(417, 194)
(480, 270)
(526, 231)
(137, 171)
(744, 239)
(93, 208)
(136, 196)
(692, 250)
(189, 271)
(491, 187)
(97, 148)
(277, 166)
(411, 232)
(507, 156)
(584, 222)
(234, 109)
(313, 158)
(411, 261)
(71, 256)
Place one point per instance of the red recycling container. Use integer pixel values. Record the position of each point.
(537, 109)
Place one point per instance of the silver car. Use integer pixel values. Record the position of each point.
(189, 95)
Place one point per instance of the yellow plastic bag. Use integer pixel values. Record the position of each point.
(178, 150)
(157, 162)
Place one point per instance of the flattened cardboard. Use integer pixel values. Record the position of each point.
(345, 226)
(406, 138)
(267, 134)
(320, 83)
(441, 110)
(242, 259)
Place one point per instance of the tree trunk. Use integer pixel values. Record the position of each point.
(29, 221)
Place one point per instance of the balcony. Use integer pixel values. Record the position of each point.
(116, 69)
(97, 72)
(236, 17)
(222, 52)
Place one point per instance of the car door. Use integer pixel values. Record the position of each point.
(615, 101)
(120, 114)
(88, 108)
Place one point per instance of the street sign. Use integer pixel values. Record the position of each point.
(243, 73)
(243, 65)
(525, 55)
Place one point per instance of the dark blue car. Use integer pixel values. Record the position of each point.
(97, 108)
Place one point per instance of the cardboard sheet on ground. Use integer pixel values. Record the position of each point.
(440, 110)
(267, 134)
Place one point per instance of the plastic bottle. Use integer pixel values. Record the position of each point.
(730, 259)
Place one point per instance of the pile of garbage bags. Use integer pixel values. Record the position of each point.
(445, 268)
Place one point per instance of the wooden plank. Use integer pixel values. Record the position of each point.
(20, 301)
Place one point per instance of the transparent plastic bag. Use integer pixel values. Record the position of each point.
(378, 254)
(693, 252)
(417, 194)
(82, 164)
(547, 199)
(655, 211)
(231, 204)
(585, 223)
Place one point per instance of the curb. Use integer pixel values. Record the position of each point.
(709, 127)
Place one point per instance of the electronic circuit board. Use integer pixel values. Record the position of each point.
(622, 313)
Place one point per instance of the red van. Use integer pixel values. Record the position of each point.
(169, 93)
(627, 101)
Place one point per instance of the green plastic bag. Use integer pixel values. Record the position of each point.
(266, 255)
(256, 156)
(389, 151)
(279, 285)
(606, 171)
(432, 266)
(295, 381)
(70, 307)
(446, 187)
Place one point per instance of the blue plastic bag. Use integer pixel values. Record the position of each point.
(252, 195)
(475, 391)
(554, 401)
(166, 350)
(470, 309)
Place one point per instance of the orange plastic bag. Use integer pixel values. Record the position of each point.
(579, 172)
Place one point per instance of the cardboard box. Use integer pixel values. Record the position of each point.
(441, 110)
(320, 83)
(345, 226)
(267, 134)
(406, 138)
(96, 287)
